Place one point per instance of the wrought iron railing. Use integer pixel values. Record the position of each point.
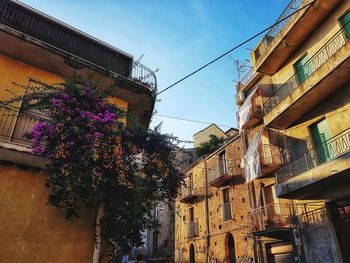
(231, 168)
(247, 77)
(196, 191)
(192, 229)
(274, 216)
(327, 151)
(70, 40)
(315, 217)
(226, 211)
(272, 155)
(321, 56)
(277, 28)
(16, 124)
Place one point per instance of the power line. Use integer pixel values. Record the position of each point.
(234, 48)
(183, 119)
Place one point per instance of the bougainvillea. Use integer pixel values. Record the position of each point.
(95, 159)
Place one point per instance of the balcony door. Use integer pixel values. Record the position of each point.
(345, 22)
(303, 69)
(320, 135)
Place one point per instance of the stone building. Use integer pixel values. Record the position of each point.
(294, 118)
(211, 210)
(36, 48)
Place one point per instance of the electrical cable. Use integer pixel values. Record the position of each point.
(234, 48)
(183, 119)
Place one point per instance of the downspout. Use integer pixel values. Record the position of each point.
(207, 237)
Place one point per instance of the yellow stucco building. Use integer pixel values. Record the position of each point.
(294, 116)
(36, 48)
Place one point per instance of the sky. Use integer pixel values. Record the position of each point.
(177, 37)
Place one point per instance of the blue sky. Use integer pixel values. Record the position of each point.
(177, 37)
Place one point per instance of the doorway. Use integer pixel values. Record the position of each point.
(192, 255)
(230, 249)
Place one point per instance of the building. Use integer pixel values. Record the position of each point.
(212, 208)
(293, 115)
(203, 135)
(36, 48)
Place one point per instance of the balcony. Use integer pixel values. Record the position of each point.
(327, 71)
(276, 220)
(191, 195)
(320, 173)
(226, 211)
(222, 175)
(192, 229)
(271, 158)
(251, 113)
(285, 37)
(15, 125)
(44, 42)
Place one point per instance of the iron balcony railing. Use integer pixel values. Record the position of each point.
(277, 28)
(192, 229)
(228, 168)
(247, 77)
(276, 216)
(65, 38)
(327, 151)
(316, 216)
(196, 191)
(226, 211)
(16, 124)
(321, 56)
(272, 155)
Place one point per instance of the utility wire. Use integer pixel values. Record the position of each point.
(234, 48)
(183, 119)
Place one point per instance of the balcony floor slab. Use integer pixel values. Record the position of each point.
(324, 182)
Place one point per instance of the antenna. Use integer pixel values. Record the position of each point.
(240, 68)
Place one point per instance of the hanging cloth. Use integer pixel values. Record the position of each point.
(251, 159)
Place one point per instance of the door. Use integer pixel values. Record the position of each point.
(320, 135)
(340, 211)
(230, 249)
(192, 255)
(345, 21)
(303, 69)
(280, 253)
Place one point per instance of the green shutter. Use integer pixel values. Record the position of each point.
(303, 69)
(345, 21)
(320, 134)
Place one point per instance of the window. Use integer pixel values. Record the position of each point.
(345, 22)
(227, 205)
(191, 210)
(222, 163)
(303, 68)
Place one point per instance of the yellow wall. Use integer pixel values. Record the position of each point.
(33, 231)
(30, 229)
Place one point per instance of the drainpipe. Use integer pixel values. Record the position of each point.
(207, 237)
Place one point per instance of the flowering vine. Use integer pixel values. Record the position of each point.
(95, 159)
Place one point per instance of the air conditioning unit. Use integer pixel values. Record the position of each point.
(240, 97)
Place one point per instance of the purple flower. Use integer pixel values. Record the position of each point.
(55, 102)
(98, 135)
